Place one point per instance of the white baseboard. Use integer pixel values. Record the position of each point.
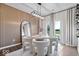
(10, 46)
(69, 45)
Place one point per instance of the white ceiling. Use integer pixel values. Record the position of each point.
(46, 8)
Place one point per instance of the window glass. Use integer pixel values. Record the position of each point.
(57, 28)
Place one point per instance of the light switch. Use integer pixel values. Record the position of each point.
(13, 40)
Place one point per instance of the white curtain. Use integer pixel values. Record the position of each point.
(67, 25)
(68, 31)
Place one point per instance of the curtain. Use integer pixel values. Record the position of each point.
(67, 27)
(68, 30)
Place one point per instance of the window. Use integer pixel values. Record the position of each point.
(57, 28)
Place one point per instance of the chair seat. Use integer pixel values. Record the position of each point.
(26, 44)
(27, 47)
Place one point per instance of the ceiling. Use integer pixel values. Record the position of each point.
(46, 8)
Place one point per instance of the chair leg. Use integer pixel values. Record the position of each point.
(23, 49)
(33, 51)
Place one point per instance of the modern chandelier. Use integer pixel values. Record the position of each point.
(38, 12)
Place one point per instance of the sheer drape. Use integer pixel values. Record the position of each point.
(72, 27)
(68, 31)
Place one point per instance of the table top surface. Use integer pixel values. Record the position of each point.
(40, 37)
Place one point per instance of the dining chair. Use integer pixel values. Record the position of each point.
(53, 46)
(42, 46)
(26, 36)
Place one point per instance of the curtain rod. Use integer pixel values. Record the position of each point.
(61, 10)
(64, 10)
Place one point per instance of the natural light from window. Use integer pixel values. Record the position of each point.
(57, 24)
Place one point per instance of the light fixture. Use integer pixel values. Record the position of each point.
(36, 13)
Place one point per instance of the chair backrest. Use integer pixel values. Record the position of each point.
(25, 29)
(41, 43)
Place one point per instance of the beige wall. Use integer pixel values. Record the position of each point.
(10, 19)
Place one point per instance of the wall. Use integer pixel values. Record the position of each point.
(49, 21)
(10, 20)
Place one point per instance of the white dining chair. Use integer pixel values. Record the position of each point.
(26, 36)
(42, 46)
(27, 44)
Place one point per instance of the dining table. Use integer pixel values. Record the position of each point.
(37, 37)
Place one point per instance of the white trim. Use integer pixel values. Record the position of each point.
(71, 45)
(10, 46)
